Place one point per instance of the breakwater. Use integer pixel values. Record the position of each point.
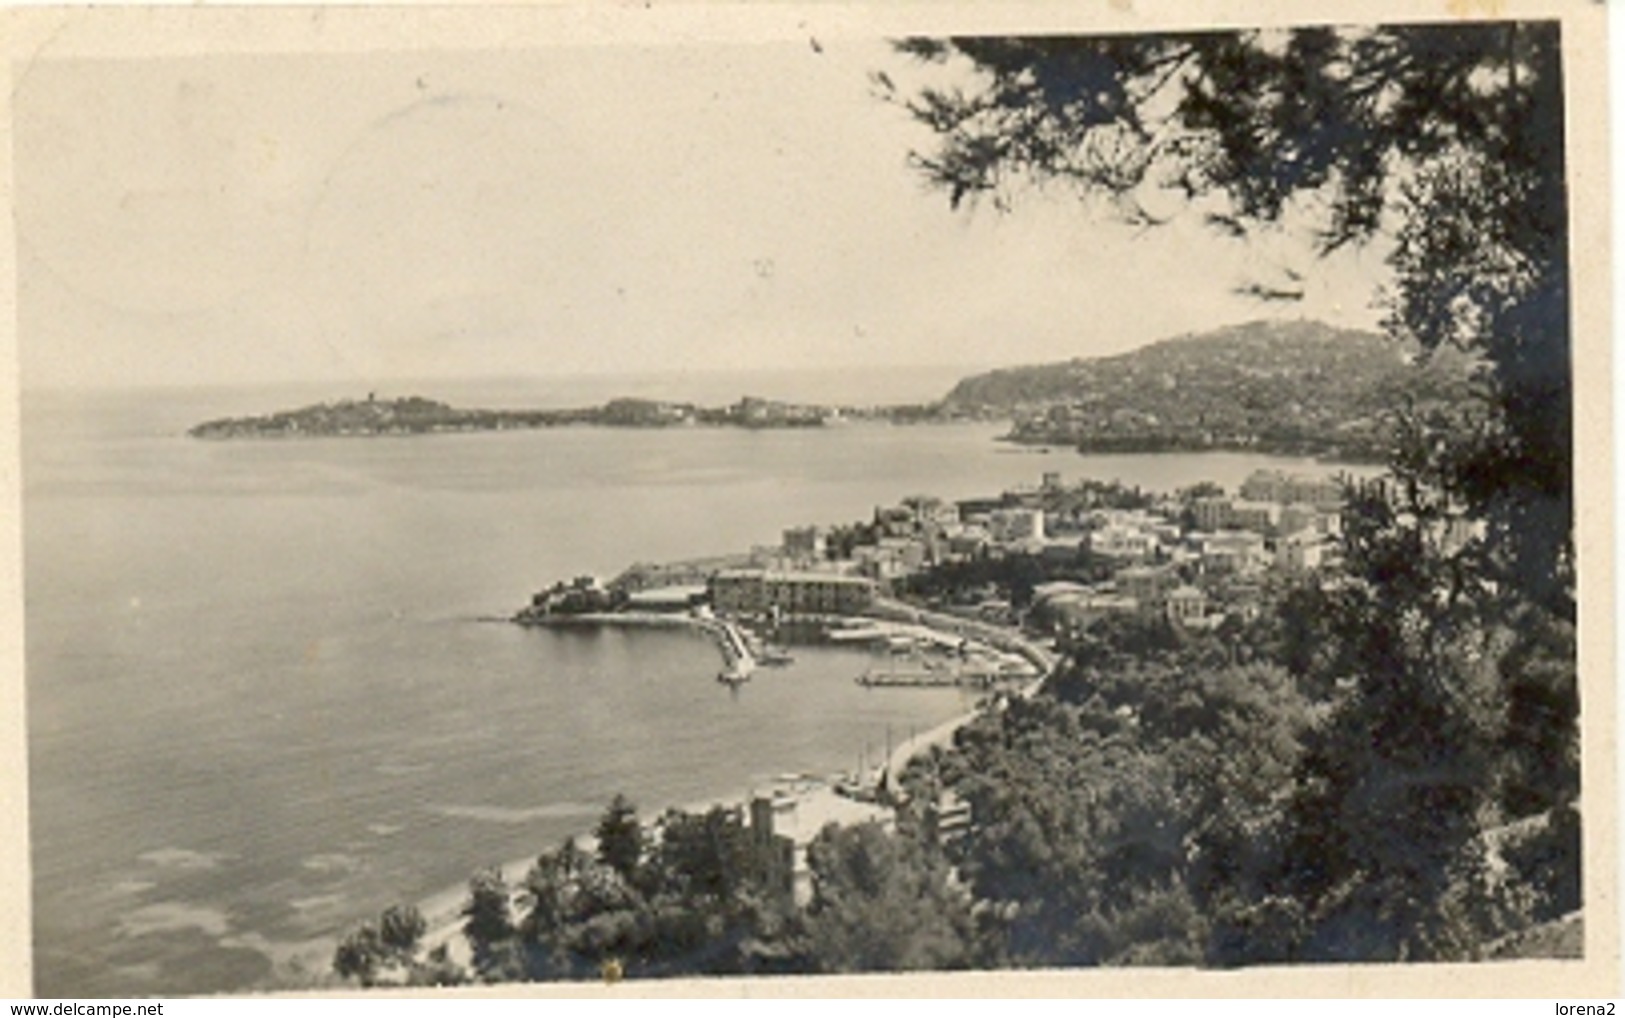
(738, 663)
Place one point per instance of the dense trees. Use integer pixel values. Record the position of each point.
(884, 903)
(701, 894)
(389, 951)
(1129, 822)
(706, 895)
(1164, 800)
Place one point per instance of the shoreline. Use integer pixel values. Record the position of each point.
(813, 801)
(442, 910)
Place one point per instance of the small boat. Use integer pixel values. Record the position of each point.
(901, 644)
(771, 655)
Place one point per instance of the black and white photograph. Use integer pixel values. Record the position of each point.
(619, 496)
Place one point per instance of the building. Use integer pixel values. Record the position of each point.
(894, 521)
(1296, 517)
(1059, 588)
(582, 595)
(1216, 512)
(1015, 526)
(1060, 551)
(1185, 605)
(773, 854)
(666, 599)
(759, 591)
(1071, 615)
(1211, 512)
(1123, 541)
(1147, 585)
(931, 512)
(907, 551)
(1454, 533)
(1279, 487)
(1300, 552)
(1236, 551)
(967, 541)
(693, 572)
(890, 558)
(1260, 517)
(807, 544)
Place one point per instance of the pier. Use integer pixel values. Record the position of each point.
(737, 660)
(926, 677)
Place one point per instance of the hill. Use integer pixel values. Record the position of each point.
(1294, 387)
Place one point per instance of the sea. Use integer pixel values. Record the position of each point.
(267, 697)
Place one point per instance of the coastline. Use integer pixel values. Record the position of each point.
(812, 801)
(815, 800)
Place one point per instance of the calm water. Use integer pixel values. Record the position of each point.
(261, 705)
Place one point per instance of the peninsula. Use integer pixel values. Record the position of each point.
(415, 415)
(1294, 388)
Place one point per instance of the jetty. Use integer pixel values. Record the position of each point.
(737, 660)
(927, 677)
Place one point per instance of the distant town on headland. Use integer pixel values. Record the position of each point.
(1301, 388)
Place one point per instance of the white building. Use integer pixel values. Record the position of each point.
(1124, 542)
(1185, 604)
(1014, 526)
(1237, 551)
(1300, 552)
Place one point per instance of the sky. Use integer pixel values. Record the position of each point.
(355, 218)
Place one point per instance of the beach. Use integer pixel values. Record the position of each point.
(804, 805)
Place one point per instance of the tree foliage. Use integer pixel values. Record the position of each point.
(488, 925)
(388, 951)
(620, 837)
(1158, 793)
(884, 903)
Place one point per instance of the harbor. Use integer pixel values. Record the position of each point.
(739, 661)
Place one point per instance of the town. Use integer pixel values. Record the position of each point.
(1040, 562)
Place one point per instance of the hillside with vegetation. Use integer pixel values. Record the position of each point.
(1291, 387)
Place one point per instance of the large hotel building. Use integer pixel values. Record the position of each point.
(755, 591)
